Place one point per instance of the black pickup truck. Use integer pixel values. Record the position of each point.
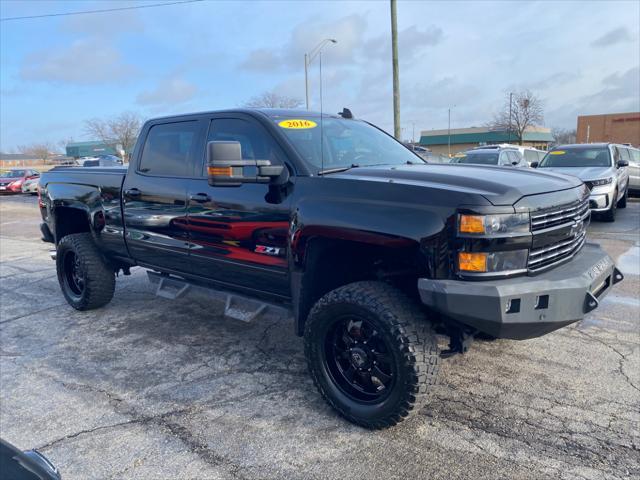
(376, 254)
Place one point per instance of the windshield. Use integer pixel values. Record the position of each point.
(13, 174)
(577, 157)
(481, 158)
(345, 143)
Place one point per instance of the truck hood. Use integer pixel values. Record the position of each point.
(499, 185)
(583, 173)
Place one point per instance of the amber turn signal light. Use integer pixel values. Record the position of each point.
(472, 262)
(471, 224)
(220, 171)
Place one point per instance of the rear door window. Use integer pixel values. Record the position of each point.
(170, 149)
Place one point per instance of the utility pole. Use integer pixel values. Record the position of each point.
(396, 78)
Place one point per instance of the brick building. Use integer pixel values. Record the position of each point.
(610, 127)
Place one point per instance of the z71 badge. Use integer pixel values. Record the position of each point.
(273, 251)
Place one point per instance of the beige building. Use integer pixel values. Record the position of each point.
(461, 139)
(610, 128)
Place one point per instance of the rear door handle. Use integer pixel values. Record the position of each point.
(132, 192)
(200, 197)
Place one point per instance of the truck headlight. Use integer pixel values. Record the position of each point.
(487, 225)
(492, 262)
(602, 181)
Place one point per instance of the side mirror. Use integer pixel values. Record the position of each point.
(534, 164)
(514, 163)
(623, 163)
(227, 168)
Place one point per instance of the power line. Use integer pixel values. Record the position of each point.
(106, 10)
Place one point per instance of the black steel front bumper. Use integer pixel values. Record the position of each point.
(528, 306)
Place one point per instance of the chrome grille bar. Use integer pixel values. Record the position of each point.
(549, 255)
(558, 217)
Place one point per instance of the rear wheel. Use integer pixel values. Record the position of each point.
(86, 280)
(372, 353)
(610, 215)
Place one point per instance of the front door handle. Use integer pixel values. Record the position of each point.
(200, 197)
(132, 192)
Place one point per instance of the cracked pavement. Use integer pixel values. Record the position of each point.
(148, 388)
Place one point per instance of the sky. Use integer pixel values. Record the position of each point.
(579, 57)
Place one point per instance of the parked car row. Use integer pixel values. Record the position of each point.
(610, 171)
(26, 180)
(13, 181)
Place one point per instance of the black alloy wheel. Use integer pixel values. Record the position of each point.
(372, 353)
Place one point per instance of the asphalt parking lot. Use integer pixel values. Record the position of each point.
(148, 388)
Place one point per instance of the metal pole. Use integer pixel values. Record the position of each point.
(588, 132)
(396, 77)
(449, 134)
(510, 97)
(306, 80)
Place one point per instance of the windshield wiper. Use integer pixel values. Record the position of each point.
(338, 169)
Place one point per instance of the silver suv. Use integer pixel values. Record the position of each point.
(601, 166)
(492, 155)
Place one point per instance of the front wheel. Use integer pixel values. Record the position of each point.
(372, 353)
(86, 280)
(622, 203)
(610, 215)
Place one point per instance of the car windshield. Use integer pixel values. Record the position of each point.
(345, 143)
(481, 158)
(577, 157)
(13, 174)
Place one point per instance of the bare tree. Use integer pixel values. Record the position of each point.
(42, 151)
(117, 132)
(562, 136)
(272, 100)
(62, 144)
(518, 113)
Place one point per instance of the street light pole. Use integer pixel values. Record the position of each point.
(306, 81)
(396, 74)
(308, 58)
(449, 134)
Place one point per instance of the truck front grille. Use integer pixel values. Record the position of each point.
(549, 255)
(558, 234)
(564, 215)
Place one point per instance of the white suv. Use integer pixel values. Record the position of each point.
(603, 167)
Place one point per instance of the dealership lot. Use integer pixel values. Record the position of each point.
(152, 388)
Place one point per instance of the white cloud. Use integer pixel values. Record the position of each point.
(617, 35)
(170, 91)
(349, 31)
(85, 61)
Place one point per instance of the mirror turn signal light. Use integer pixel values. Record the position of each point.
(220, 171)
(472, 262)
(471, 224)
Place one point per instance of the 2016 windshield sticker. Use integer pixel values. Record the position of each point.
(297, 123)
(557, 152)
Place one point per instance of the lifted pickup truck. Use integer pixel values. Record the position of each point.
(374, 252)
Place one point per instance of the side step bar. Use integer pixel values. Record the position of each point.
(236, 307)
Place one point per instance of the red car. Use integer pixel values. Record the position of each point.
(11, 180)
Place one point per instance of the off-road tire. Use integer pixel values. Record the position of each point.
(610, 215)
(622, 203)
(411, 342)
(98, 279)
